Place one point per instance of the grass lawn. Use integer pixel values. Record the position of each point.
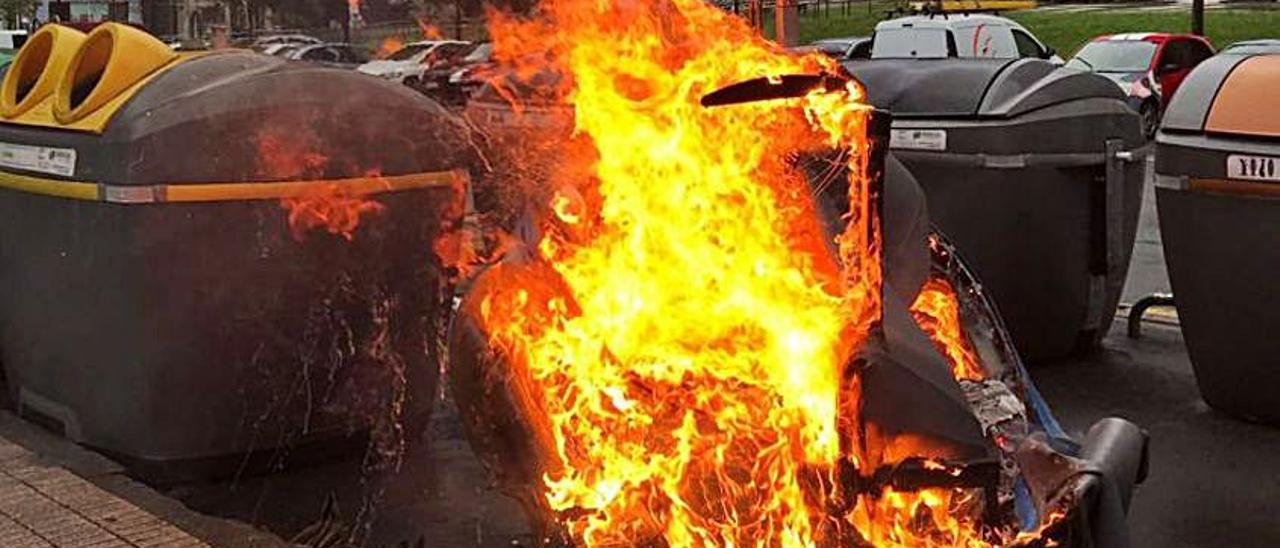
(1067, 31)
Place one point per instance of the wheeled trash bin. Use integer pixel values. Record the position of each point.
(204, 255)
(1035, 172)
(1218, 194)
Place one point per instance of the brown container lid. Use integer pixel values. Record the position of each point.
(1245, 102)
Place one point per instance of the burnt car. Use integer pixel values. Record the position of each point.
(1148, 67)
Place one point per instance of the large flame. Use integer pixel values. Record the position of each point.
(693, 377)
(938, 312)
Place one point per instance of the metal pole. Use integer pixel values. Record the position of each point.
(457, 19)
(1197, 17)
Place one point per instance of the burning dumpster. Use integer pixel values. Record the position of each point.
(1218, 194)
(1034, 171)
(730, 324)
(203, 255)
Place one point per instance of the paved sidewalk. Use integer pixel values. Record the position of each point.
(54, 493)
(44, 506)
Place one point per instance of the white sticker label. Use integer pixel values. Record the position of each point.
(57, 161)
(919, 139)
(1254, 168)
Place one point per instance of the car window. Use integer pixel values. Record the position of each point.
(910, 43)
(1176, 53)
(1198, 51)
(449, 51)
(348, 54)
(480, 54)
(406, 53)
(1116, 56)
(861, 50)
(320, 54)
(991, 41)
(1027, 46)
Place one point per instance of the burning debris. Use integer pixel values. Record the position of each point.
(696, 343)
(714, 327)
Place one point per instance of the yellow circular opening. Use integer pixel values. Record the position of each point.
(28, 69)
(86, 70)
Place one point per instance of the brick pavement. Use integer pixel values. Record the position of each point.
(47, 506)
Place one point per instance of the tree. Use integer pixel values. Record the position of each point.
(14, 10)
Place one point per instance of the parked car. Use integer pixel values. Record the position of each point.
(957, 35)
(844, 49)
(10, 42)
(335, 55)
(408, 64)
(262, 43)
(452, 83)
(1253, 47)
(1148, 66)
(281, 49)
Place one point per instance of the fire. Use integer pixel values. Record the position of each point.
(290, 155)
(429, 30)
(389, 45)
(693, 372)
(331, 210)
(938, 313)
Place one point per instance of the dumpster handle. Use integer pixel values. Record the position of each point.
(1140, 308)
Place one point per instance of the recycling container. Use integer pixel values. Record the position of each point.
(213, 254)
(1035, 172)
(1218, 195)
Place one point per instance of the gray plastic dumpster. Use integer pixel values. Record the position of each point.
(1218, 194)
(159, 300)
(1035, 173)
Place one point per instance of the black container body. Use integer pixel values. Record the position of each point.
(1222, 252)
(170, 332)
(1027, 183)
(1220, 233)
(171, 313)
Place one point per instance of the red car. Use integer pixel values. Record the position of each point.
(1148, 66)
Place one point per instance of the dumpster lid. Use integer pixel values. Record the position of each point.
(920, 88)
(926, 87)
(1247, 90)
(1224, 95)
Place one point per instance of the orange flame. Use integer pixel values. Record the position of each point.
(291, 155)
(937, 311)
(693, 377)
(429, 31)
(328, 209)
(389, 45)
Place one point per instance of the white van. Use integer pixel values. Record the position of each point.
(12, 39)
(956, 35)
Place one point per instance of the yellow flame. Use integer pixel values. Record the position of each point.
(692, 374)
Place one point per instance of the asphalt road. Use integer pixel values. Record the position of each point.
(1146, 269)
(1215, 481)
